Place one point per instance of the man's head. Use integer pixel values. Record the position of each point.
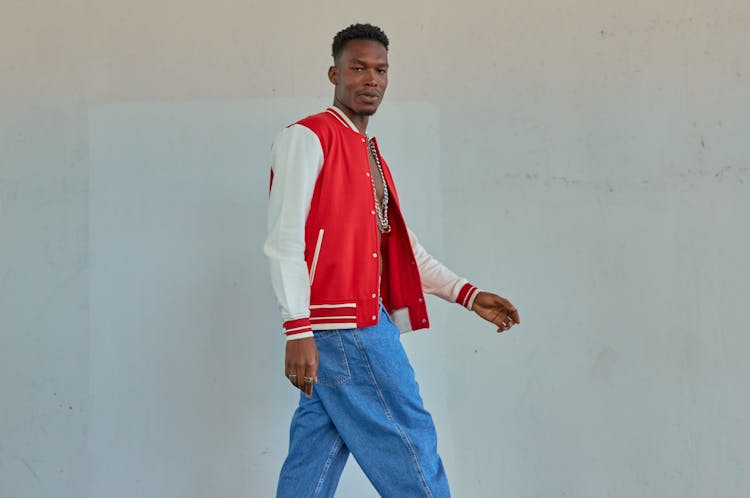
(360, 69)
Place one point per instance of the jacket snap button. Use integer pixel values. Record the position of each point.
(374, 295)
(424, 320)
(374, 255)
(420, 299)
(368, 174)
(374, 317)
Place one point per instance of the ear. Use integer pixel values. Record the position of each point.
(333, 76)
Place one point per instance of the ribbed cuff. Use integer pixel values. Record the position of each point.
(298, 328)
(466, 296)
(303, 335)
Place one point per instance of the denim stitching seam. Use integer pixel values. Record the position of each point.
(388, 413)
(337, 381)
(343, 356)
(331, 455)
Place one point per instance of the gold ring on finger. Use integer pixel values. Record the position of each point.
(308, 379)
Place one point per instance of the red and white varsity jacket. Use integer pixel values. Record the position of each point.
(322, 239)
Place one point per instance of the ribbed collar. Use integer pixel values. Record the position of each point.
(343, 118)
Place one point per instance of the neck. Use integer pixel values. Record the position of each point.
(359, 120)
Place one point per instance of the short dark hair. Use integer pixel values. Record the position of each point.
(357, 32)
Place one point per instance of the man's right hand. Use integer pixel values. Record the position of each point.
(302, 361)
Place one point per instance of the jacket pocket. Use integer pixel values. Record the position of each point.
(316, 254)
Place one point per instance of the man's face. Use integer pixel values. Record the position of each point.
(360, 75)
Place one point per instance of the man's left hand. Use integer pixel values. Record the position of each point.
(496, 309)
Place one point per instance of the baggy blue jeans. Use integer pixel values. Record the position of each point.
(366, 402)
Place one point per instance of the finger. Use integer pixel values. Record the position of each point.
(505, 314)
(511, 311)
(297, 381)
(498, 320)
(292, 378)
(301, 380)
(308, 380)
(505, 324)
(291, 373)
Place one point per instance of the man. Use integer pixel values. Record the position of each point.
(350, 276)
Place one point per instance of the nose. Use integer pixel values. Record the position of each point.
(372, 78)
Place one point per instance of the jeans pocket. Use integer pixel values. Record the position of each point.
(333, 368)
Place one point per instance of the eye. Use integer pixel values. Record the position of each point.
(357, 69)
(382, 71)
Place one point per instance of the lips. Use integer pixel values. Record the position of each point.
(370, 97)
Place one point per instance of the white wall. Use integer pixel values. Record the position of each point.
(587, 159)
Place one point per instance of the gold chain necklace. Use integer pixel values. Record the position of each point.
(382, 212)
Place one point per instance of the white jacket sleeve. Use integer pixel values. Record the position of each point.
(439, 280)
(296, 160)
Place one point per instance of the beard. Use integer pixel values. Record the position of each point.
(357, 110)
(366, 110)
